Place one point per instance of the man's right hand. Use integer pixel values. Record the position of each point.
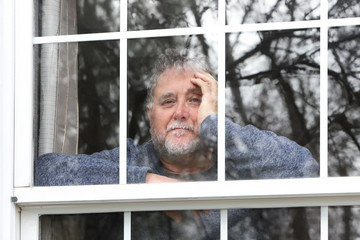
(174, 215)
(209, 90)
(155, 178)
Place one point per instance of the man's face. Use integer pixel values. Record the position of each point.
(173, 116)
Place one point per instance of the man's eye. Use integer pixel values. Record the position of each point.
(167, 102)
(195, 100)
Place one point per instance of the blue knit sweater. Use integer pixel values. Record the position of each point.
(250, 154)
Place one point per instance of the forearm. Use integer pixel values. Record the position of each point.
(253, 153)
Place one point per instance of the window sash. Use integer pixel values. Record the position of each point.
(297, 192)
(35, 201)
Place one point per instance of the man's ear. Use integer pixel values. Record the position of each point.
(148, 111)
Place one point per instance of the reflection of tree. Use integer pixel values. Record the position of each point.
(261, 11)
(282, 64)
(344, 101)
(343, 120)
(273, 81)
(170, 13)
(98, 96)
(344, 223)
(98, 79)
(344, 8)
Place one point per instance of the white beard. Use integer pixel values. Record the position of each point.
(171, 148)
(179, 148)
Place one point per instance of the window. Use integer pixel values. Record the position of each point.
(286, 66)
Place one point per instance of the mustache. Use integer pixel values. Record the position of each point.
(179, 125)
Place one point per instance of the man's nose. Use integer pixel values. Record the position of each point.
(181, 112)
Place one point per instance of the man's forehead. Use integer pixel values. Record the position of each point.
(175, 92)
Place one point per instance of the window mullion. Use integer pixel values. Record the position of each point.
(23, 93)
(221, 93)
(324, 226)
(29, 229)
(123, 112)
(324, 91)
(221, 110)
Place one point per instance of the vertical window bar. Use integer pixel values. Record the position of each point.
(221, 91)
(324, 226)
(324, 90)
(123, 95)
(123, 112)
(221, 110)
(223, 224)
(23, 93)
(127, 225)
(29, 229)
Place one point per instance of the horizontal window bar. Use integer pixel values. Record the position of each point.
(193, 31)
(196, 195)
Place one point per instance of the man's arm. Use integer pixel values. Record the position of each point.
(253, 154)
(54, 169)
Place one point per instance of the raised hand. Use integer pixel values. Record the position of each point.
(209, 89)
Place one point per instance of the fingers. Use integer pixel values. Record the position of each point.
(177, 216)
(196, 213)
(155, 178)
(209, 90)
(174, 215)
(206, 82)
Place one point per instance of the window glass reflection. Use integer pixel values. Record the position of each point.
(344, 222)
(274, 224)
(171, 14)
(344, 101)
(165, 126)
(185, 224)
(78, 97)
(82, 226)
(344, 9)
(55, 17)
(141, 56)
(272, 83)
(262, 11)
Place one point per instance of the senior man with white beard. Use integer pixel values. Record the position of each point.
(182, 111)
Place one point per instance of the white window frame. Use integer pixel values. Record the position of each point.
(35, 201)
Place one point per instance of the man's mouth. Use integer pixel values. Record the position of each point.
(180, 126)
(179, 129)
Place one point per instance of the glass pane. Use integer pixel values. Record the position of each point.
(107, 226)
(142, 55)
(186, 225)
(94, 68)
(344, 101)
(344, 9)
(171, 14)
(79, 85)
(73, 17)
(98, 96)
(78, 112)
(274, 224)
(344, 223)
(272, 83)
(262, 11)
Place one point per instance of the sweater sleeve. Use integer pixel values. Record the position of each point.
(255, 154)
(54, 169)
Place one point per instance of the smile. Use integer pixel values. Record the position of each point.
(179, 132)
(180, 127)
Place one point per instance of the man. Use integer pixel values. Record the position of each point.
(182, 110)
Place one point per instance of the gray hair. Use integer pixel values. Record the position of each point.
(178, 59)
